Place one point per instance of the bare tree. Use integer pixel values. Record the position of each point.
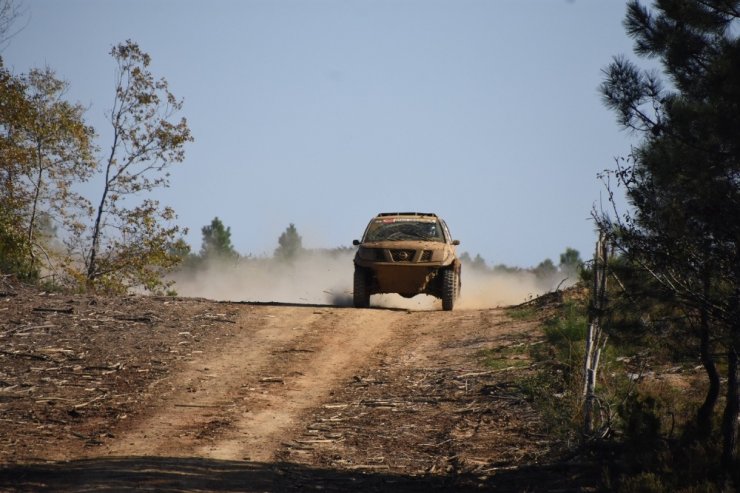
(595, 337)
(10, 12)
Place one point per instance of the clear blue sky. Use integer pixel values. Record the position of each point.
(324, 112)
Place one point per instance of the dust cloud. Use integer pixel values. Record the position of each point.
(490, 289)
(310, 278)
(326, 279)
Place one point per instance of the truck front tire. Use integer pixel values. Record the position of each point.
(361, 290)
(450, 289)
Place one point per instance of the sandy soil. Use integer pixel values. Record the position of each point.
(157, 394)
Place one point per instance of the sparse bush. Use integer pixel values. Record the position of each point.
(522, 313)
(566, 333)
(555, 387)
(644, 482)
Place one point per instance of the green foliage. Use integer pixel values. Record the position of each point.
(217, 242)
(566, 334)
(645, 418)
(506, 269)
(545, 269)
(645, 482)
(14, 248)
(642, 418)
(512, 356)
(570, 262)
(147, 248)
(62, 157)
(132, 245)
(522, 313)
(477, 263)
(555, 387)
(15, 256)
(652, 442)
(570, 266)
(681, 179)
(654, 462)
(290, 244)
(45, 148)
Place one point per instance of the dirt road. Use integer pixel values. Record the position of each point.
(244, 398)
(273, 398)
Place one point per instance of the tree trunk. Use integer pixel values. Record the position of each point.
(704, 416)
(729, 420)
(92, 261)
(34, 209)
(732, 400)
(595, 339)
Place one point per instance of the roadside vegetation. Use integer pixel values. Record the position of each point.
(679, 245)
(651, 387)
(663, 289)
(120, 239)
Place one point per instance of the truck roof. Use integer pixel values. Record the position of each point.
(427, 214)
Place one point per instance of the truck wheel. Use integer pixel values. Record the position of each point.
(361, 292)
(449, 289)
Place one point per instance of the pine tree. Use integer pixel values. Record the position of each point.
(683, 180)
(545, 269)
(290, 244)
(570, 262)
(217, 242)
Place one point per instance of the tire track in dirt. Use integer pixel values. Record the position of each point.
(240, 399)
(426, 403)
(245, 397)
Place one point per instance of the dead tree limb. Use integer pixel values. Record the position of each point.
(595, 338)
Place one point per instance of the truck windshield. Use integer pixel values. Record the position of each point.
(404, 229)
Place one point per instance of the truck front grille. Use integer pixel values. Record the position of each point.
(403, 255)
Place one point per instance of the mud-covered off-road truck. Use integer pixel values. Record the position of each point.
(407, 253)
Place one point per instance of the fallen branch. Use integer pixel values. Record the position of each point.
(5, 395)
(335, 406)
(88, 439)
(143, 319)
(47, 399)
(272, 380)
(316, 440)
(26, 355)
(198, 405)
(56, 310)
(85, 404)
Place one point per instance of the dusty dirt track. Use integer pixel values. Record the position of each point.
(155, 394)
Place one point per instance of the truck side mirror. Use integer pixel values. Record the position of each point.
(355, 242)
(455, 242)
